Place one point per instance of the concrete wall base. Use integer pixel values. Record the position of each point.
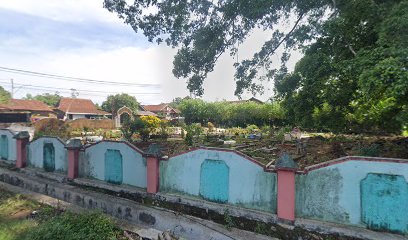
(158, 218)
(164, 219)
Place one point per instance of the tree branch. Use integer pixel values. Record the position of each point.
(351, 49)
(283, 39)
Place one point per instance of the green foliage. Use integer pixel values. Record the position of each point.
(163, 129)
(353, 75)
(353, 78)
(151, 122)
(280, 134)
(204, 30)
(189, 139)
(252, 129)
(237, 131)
(53, 127)
(47, 98)
(231, 114)
(370, 151)
(114, 102)
(75, 226)
(4, 95)
(261, 228)
(131, 127)
(229, 223)
(176, 101)
(193, 131)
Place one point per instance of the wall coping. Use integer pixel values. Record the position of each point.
(351, 158)
(112, 141)
(59, 139)
(270, 169)
(6, 129)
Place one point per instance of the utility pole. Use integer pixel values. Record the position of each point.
(12, 88)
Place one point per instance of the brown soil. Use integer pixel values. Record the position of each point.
(315, 149)
(22, 214)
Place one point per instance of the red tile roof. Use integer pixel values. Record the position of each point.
(145, 113)
(154, 108)
(78, 105)
(25, 105)
(159, 108)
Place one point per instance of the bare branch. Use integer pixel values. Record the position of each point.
(283, 39)
(351, 49)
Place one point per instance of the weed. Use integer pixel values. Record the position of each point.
(371, 151)
(75, 226)
(229, 223)
(261, 228)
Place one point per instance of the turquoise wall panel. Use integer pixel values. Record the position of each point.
(49, 157)
(92, 163)
(40, 150)
(384, 199)
(4, 149)
(249, 186)
(113, 166)
(7, 149)
(333, 193)
(214, 180)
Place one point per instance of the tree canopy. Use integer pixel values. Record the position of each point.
(353, 73)
(4, 95)
(47, 98)
(114, 102)
(230, 114)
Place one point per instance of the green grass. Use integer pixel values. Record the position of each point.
(13, 209)
(50, 223)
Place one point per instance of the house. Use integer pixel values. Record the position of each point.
(163, 110)
(124, 113)
(252, 99)
(24, 111)
(75, 108)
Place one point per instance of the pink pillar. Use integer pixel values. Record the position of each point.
(21, 152)
(22, 139)
(73, 157)
(286, 194)
(152, 174)
(73, 146)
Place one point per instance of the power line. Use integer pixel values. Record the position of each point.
(36, 87)
(72, 79)
(65, 91)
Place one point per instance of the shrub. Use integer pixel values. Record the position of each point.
(193, 130)
(281, 133)
(92, 226)
(370, 151)
(131, 127)
(252, 128)
(52, 127)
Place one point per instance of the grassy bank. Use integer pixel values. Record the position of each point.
(24, 219)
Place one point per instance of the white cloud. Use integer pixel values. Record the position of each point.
(63, 10)
(141, 63)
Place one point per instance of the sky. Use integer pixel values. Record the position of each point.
(80, 38)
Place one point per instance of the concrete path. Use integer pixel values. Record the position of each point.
(344, 230)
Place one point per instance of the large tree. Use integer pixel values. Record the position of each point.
(354, 69)
(114, 102)
(4, 95)
(47, 98)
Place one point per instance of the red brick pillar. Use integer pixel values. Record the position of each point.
(73, 147)
(153, 157)
(286, 170)
(152, 174)
(22, 139)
